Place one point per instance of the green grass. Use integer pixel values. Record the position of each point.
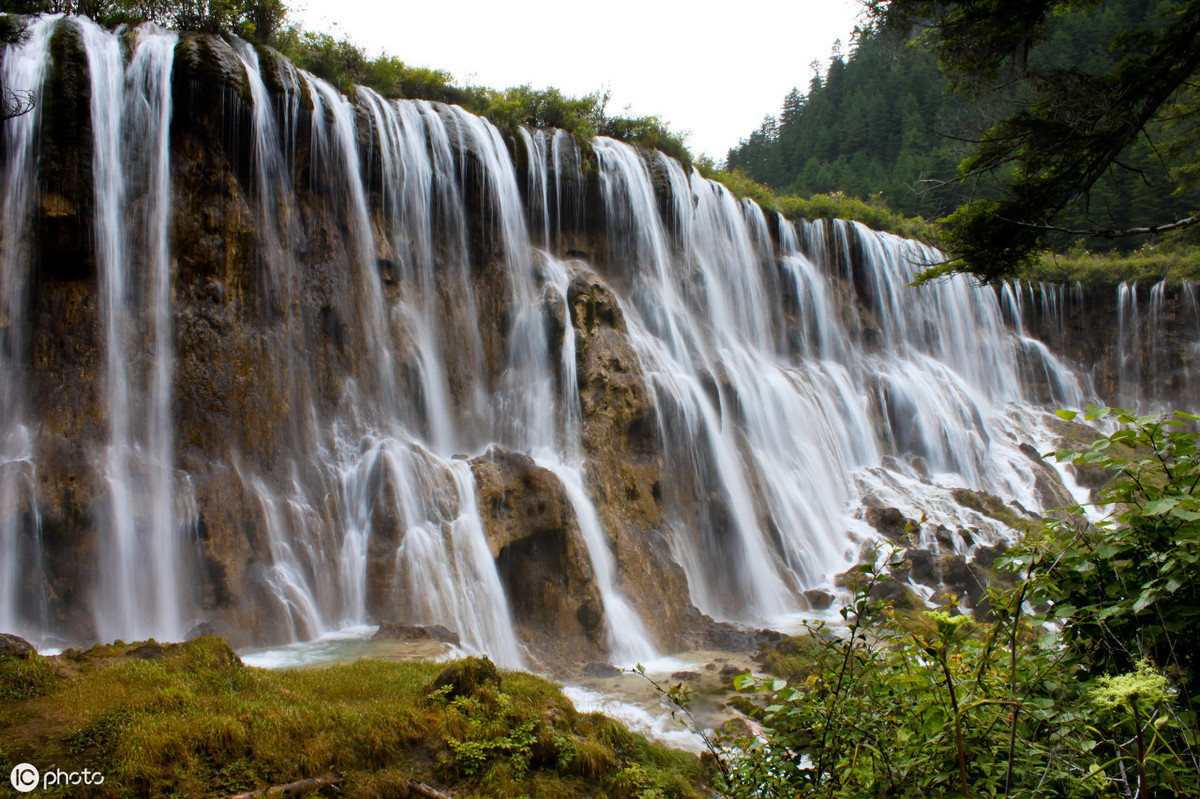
(873, 214)
(194, 721)
(1168, 260)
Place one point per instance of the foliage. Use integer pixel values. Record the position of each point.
(13, 104)
(878, 124)
(191, 720)
(915, 707)
(1172, 260)
(251, 19)
(1067, 125)
(886, 122)
(1127, 588)
(938, 703)
(345, 65)
(873, 214)
(24, 677)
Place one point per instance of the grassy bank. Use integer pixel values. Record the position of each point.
(874, 215)
(192, 720)
(1170, 260)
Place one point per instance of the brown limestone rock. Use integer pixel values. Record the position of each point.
(624, 457)
(541, 556)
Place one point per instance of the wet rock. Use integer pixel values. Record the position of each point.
(14, 646)
(737, 729)
(960, 579)
(986, 556)
(1051, 493)
(540, 554)
(204, 629)
(818, 599)
(729, 670)
(686, 676)
(945, 537)
(723, 636)
(148, 651)
(989, 505)
(901, 596)
(889, 522)
(922, 566)
(620, 436)
(400, 631)
(601, 670)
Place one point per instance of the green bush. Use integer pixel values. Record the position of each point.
(1174, 259)
(1127, 588)
(874, 214)
(257, 20)
(939, 704)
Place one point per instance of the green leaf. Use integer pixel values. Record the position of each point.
(1186, 515)
(1068, 415)
(1160, 506)
(1144, 601)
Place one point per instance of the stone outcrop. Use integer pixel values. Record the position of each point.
(541, 556)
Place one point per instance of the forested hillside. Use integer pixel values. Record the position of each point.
(883, 121)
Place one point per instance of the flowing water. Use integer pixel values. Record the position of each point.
(796, 380)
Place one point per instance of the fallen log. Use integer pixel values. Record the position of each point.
(292, 789)
(423, 790)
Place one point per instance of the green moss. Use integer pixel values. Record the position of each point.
(792, 658)
(1173, 259)
(191, 720)
(988, 505)
(873, 214)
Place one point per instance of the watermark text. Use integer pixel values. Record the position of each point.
(25, 777)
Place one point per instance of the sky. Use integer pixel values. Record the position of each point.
(710, 71)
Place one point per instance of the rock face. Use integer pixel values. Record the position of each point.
(1140, 338)
(14, 646)
(540, 555)
(357, 292)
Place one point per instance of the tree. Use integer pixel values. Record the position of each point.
(1069, 124)
(13, 103)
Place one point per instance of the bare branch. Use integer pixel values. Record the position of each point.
(1146, 230)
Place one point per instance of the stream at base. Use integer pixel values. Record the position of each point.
(627, 696)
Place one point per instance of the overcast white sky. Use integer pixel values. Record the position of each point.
(712, 71)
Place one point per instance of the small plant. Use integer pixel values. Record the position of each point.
(938, 704)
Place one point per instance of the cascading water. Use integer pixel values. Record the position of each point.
(22, 587)
(413, 304)
(139, 589)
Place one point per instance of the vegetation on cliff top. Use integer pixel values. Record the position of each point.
(1044, 123)
(192, 720)
(345, 64)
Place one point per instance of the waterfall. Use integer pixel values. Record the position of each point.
(390, 296)
(139, 590)
(22, 587)
(1129, 343)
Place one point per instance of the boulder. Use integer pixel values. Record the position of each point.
(400, 631)
(13, 646)
(818, 599)
(541, 556)
(889, 522)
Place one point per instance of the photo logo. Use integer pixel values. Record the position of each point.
(24, 777)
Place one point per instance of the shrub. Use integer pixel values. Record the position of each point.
(938, 704)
